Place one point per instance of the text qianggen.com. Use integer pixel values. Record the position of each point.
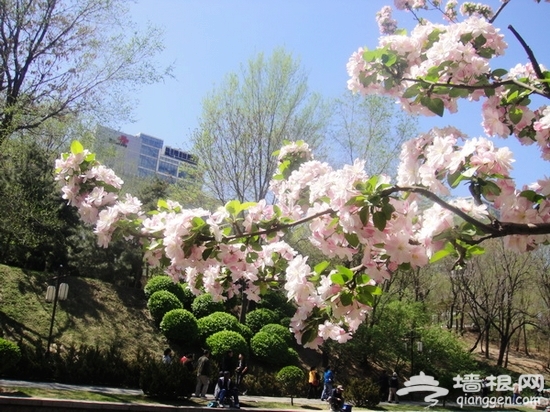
(495, 401)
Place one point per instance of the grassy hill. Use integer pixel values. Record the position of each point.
(95, 313)
(100, 314)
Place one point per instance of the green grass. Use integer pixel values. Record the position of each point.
(95, 313)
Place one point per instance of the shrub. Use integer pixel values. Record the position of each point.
(221, 342)
(292, 357)
(279, 330)
(82, 365)
(255, 384)
(10, 354)
(258, 318)
(180, 325)
(203, 305)
(166, 381)
(270, 349)
(163, 282)
(363, 393)
(290, 378)
(245, 331)
(277, 302)
(216, 322)
(161, 302)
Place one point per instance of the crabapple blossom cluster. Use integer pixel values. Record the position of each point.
(437, 64)
(379, 225)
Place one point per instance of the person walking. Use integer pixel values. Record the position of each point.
(313, 383)
(384, 385)
(167, 356)
(394, 385)
(240, 371)
(227, 362)
(328, 380)
(203, 375)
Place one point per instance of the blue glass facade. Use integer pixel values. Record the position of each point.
(144, 155)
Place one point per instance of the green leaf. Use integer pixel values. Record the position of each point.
(379, 220)
(365, 298)
(373, 290)
(319, 268)
(455, 178)
(345, 271)
(499, 73)
(339, 279)
(346, 298)
(515, 115)
(352, 239)
(232, 207)
(364, 215)
(162, 204)
(309, 334)
(474, 250)
(489, 91)
(440, 254)
(362, 279)
(489, 188)
(76, 147)
(371, 55)
(389, 59)
(435, 105)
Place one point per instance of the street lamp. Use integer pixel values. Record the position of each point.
(53, 294)
(413, 336)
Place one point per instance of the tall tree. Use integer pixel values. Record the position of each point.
(61, 57)
(371, 128)
(247, 118)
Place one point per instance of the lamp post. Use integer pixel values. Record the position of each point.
(53, 294)
(413, 336)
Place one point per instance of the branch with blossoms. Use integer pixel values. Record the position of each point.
(438, 64)
(351, 216)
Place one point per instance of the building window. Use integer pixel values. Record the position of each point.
(148, 162)
(168, 168)
(149, 151)
(151, 141)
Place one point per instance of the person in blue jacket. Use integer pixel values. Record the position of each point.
(328, 380)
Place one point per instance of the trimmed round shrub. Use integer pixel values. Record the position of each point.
(161, 302)
(278, 302)
(221, 342)
(279, 330)
(163, 282)
(10, 354)
(292, 357)
(268, 348)
(363, 393)
(180, 325)
(245, 331)
(290, 378)
(216, 322)
(204, 305)
(258, 318)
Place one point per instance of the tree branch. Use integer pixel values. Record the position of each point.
(533, 60)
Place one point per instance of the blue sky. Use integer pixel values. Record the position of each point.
(206, 39)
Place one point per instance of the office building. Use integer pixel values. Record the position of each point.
(141, 155)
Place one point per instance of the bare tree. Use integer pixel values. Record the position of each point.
(371, 128)
(248, 118)
(65, 57)
(499, 294)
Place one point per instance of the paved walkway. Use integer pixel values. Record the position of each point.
(298, 402)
